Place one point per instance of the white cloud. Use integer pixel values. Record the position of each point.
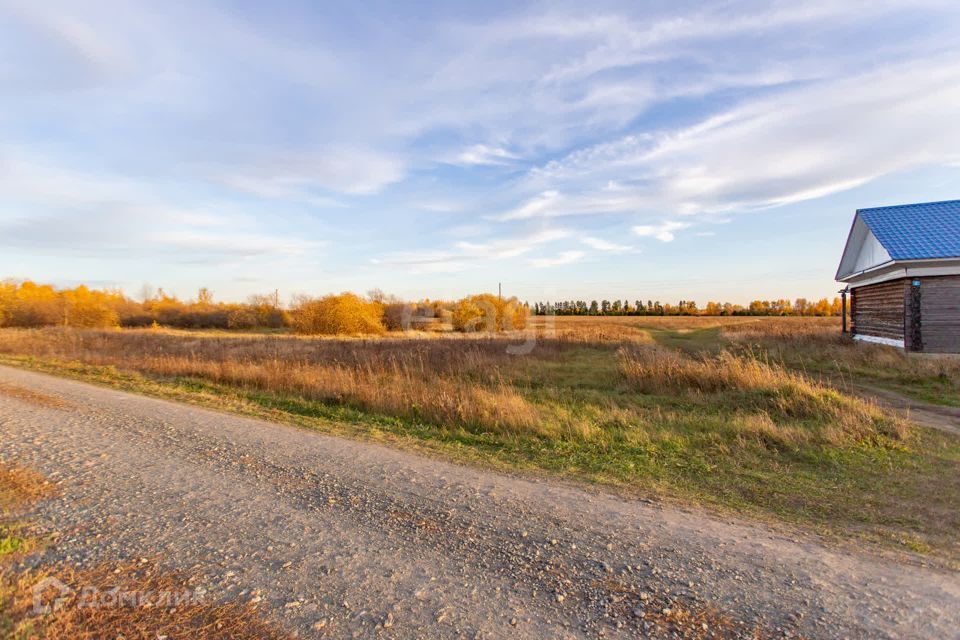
(425, 262)
(564, 257)
(625, 42)
(481, 154)
(662, 232)
(224, 242)
(815, 140)
(31, 179)
(465, 254)
(534, 207)
(551, 204)
(799, 144)
(604, 245)
(511, 247)
(187, 99)
(346, 170)
(438, 206)
(55, 208)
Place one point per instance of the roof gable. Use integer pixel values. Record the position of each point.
(863, 251)
(916, 231)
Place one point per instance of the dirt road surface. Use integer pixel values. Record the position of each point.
(349, 539)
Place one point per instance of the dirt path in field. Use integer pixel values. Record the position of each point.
(934, 416)
(342, 538)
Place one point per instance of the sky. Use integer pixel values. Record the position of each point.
(651, 150)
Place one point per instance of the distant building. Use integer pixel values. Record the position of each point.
(902, 268)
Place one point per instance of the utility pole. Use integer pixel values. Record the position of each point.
(500, 291)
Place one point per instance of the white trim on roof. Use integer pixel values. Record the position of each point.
(894, 270)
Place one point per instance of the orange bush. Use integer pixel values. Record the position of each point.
(487, 312)
(344, 314)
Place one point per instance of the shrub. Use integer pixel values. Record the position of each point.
(487, 312)
(342, 314)
(89, 309)
(397, 316)
(241, 319)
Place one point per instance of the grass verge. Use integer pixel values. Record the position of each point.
(694, 446)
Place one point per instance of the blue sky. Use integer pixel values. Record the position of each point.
(660, 150)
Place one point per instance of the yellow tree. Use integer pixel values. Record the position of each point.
(85, 308)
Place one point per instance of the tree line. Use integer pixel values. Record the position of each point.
(28, 304)
(782, 307)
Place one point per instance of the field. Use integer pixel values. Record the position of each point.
(762, 416)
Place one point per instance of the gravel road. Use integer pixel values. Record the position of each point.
(348, 539)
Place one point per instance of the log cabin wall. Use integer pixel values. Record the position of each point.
(940, 313)
(880, 309)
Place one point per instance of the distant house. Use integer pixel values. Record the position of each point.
(902, 268)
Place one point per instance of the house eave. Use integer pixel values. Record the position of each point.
(856, 274)
(895, 269)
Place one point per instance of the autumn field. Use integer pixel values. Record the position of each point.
(761, 416)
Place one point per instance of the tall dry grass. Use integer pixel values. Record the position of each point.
(753, 384)
(600, 329)
(452, 383)
(817, 345)
(403, 389)
(456, 381)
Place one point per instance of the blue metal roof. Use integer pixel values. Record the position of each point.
(917, 231)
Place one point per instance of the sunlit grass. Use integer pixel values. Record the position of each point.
(725, 412)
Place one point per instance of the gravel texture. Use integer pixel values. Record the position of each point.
(339, 538)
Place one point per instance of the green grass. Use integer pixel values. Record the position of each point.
(683, 448)
(11, 543)
(689, 341)
(930, 389)
(926, 378)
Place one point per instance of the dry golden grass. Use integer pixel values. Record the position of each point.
(673, 619)
(782, 327)
(660, 370)
(628, 327)
(471, 383)
(750, 383)
(457, 383)
(20, 487)
(33, 397)
(147, 614)
(400, 388)
(818, 347)
(753, 413)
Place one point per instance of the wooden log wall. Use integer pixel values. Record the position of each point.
(940, 313)
(879, 309)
